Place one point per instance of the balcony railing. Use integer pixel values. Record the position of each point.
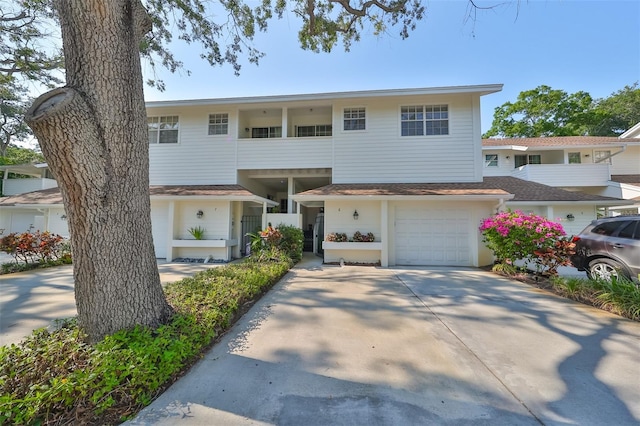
(21, 186)
(565, 175)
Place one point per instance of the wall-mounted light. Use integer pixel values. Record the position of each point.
(199, 214)
(355, 215)
(571, 217)
(507, 157)
(63, 217)
(246, 129)
(586, 155)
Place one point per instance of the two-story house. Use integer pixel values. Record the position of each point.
(406, 165)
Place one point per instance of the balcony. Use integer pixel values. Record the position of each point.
(565, 175)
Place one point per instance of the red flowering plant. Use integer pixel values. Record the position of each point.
(271, 236)
(514, 235)
(33, 247)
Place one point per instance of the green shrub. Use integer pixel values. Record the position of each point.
(55, 377)
(620, 296)
(292, 242)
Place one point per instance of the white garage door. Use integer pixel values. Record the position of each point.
(433, 236)
(160, 227)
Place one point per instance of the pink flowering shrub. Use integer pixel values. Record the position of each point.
(514, 235)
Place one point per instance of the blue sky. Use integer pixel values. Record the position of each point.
(586, 45)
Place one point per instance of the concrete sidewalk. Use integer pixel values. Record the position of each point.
(372, 346)
(34, 299)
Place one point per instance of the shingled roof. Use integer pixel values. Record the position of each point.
(405, 189)
(560, 141)
(49, 196)
(497, 187)
(53, 196)
(523, 191)
(628, 179)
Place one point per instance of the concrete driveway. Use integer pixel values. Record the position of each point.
(34, 299)
(371, 346)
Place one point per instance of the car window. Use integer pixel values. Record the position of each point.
(628, 230)
(608, 228)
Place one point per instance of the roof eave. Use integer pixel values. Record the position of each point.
(581, 202)
(486, 197)
(482, 90)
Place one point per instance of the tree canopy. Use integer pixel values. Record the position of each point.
(544, 111)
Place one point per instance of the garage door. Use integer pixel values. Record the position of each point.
(160, 227)
(433, 236)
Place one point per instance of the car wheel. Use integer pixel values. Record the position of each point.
(605, 269)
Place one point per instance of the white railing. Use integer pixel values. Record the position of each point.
(565, 175)
(21, 186)
(292, 219)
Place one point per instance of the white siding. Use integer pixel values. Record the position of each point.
(626, 163)
(381, 155)
(505, 165)
(216, 219)
(583, 214)
(197, 158)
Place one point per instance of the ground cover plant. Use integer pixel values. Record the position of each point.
(618, 296)
(55, 377)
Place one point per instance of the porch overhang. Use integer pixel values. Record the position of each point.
(401, 192)
(207, 192)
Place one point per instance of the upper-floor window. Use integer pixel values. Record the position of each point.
(163, 129)
(491, 160)
(266, 132)
(419, 120)
(317, 130)
(219, 124)
(574, 157)
(354, 119)
(602, 156)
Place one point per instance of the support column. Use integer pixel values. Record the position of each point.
(290, 192)
(384, 233)
(170, 221)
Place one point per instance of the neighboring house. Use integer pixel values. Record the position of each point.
(406, 165)
(606, 166)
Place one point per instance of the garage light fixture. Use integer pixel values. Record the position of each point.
(571, 217)
(355, 215)
(199, 214)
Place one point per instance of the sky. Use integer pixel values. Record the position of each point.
(569, 45)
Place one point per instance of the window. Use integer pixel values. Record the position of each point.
(319, 130)
(266, 132)
(218, 124)
(491, 160)
(628, 231)
(424, 120)
(602, 157)
(521, 160)
(163, 129)
(608, 228)
(574, 158)
(354, 119)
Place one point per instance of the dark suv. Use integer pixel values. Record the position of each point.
(609, 247)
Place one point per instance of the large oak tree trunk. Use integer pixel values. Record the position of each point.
(93, 133)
